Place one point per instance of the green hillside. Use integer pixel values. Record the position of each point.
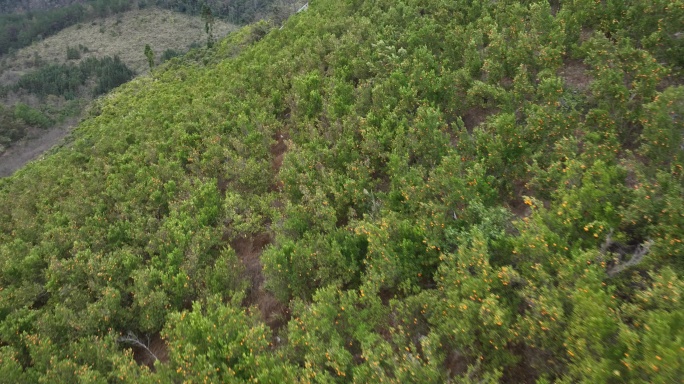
(380, 191)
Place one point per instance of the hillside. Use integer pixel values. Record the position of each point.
(23, 22)
(12, 6)
(387, 191)
(124, 35)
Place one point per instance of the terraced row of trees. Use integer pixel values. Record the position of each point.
(387, 191)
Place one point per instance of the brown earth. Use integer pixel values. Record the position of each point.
(249, 249)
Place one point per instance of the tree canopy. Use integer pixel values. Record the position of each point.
(379, 191)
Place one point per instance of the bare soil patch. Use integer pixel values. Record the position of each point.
(249, 250)
(576, 74)
(476, 116)
(278, 151)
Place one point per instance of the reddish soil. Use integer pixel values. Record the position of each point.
(249, 249)
(278, 150)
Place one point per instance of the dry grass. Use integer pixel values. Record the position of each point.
(123, 35)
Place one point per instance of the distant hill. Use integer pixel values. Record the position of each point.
(237, 11)
(14, 6)
(24, 22)
(124, 35)
(27, 74)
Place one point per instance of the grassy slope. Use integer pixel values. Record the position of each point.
(123, 35)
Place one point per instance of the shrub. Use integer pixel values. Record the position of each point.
(73, 53)
(32, 116)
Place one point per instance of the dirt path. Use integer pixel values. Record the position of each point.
(29, 149)
(274, 313)
(248, 249)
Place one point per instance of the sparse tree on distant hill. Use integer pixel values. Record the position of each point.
(149, 53)
(280, 10)
(208, 18)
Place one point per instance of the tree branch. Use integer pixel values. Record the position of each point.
(134, 340)
(639, 253)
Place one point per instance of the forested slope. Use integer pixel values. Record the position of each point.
(380, 191)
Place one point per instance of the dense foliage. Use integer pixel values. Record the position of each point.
(380, 191)
(67, 79)
(12, 128)
(15, 123)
